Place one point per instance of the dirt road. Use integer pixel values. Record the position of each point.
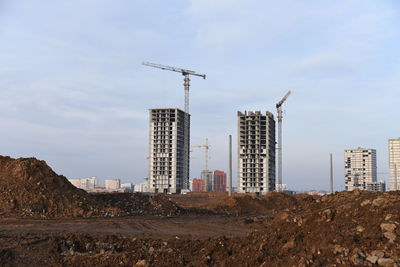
(199, 227)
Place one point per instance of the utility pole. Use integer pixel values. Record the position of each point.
(331, 174)
(230, 165)
(280, 116)
(186, 80)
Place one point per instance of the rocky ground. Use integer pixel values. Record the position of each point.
(46, 221)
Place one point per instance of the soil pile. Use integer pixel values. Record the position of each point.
(29, 187)
(249, 204)
(140, 204)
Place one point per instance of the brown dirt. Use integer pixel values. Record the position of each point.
(30, 188)
(344, 229)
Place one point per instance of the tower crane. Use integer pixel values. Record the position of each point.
(280, 116)
(186, 79)
(206, 148)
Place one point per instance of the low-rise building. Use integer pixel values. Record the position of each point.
(87, 184)
(379, 186)
(127, 187)
(281, 187)
(112, 184)
(197, 185)
(141, 188)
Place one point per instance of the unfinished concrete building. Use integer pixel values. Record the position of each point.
(169, 151)
(256, 152)
(207, 177)
(360, 168)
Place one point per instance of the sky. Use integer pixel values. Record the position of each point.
(73, 91)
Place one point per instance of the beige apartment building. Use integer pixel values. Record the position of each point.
(360, 168)
(256, 152)
(394, 164)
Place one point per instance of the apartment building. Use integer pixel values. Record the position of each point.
(219, 181)
(360, 168)
(394, 164)
(256, 152)
(169, 142)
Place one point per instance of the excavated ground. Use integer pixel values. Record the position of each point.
(45, 221)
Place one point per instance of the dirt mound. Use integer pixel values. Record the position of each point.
(29, 187)
(250, 204)
(140, 204)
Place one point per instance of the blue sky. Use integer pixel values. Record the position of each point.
(74, 92)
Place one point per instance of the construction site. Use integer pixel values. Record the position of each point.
(45, 221)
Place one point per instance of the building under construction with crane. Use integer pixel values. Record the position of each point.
(256, 152)
(169, 142)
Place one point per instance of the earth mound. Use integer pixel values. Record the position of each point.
(140, 204)
(29, 187)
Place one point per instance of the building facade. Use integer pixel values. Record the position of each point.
(197, 185)
(394, 164)
(169, 143)
(87, 184)
(379, 186)
(360, 168)
(219, 181)
(207, 177)
(141, 188)
(256, 152)
(112, 184)
(128, 187)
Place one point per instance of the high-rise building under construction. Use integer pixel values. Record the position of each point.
(169, 144)
(256, 152)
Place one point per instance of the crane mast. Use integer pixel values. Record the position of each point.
(186, 80)
(206, 150)
(280, 117)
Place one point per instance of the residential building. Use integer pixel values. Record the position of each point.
(87, 184)
(112, 184)
(394, 164)
(379, 186)
(141, 188)
(256, 152)
(281, 187)
(197, 185)
(207, 177)
(128, 187)
(360, 168)
(219, 181)
(169, 143)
